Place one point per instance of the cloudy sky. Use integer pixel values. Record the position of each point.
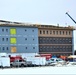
(39, 11)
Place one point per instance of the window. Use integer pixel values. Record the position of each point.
(60, 32)
(25, 30)
(25, 38)
(2, 39)
(43, 32)
(6, 30)
(40, 32)
(50, 32)
(2, 30)
(63, 32)
(69, 33)
(32, 30)
(3, 48)
(13, 40)
(6, 39)
(26, 47)
(53, 32)
(56, 32)
(66, 33)
(46, 32)
(33, 47)
(33, 39)
(12, 31)
(6, 48)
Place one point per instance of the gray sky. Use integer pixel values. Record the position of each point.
(39, 11)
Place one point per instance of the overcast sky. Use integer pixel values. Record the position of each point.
(39, 11)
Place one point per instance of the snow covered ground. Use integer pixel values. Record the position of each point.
(57, 70)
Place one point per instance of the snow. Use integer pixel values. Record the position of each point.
(40, 70)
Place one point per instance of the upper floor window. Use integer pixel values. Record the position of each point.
(40, 32)
(60, 32)
(3, 48)
(53, 32)
(56, 32)
(32, 30)
(7, 48)
(33, 47)
(2, 39)
(46, 32)
(63, 32)
(43, 32)
(50, 32)
(25, 30)
(33, 39)
(25, 38)
(26, 47)
(6, 39)
(69, 32)
(2, 30)
(66, 32)
(6, 30)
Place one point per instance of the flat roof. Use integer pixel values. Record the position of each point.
(9, 23)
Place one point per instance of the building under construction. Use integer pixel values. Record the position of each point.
(18, 37)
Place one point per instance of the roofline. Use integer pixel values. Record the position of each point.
(9, 23)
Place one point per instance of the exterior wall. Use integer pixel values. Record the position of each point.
(18, 39)
(55, 41)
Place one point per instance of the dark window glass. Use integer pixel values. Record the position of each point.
(66, 33)
(6, 39)
(43, 32)
(2, 30)
(33, 39)
(56, 32)
(46, 32)
(63, 32)
(53, 32)
(7, 48)
(6, 30)
(40, 32)
(50, 32)
(69, 33)
(26, 47)
(60, 32)
(3, 48)
(33, 47)
(25, 38)
(25, 30)
(2, 39)
(32, 30)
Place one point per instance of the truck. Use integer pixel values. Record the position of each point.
(18, 63)
(37, 61)
(4, 62)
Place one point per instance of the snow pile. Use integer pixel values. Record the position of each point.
(39, 70)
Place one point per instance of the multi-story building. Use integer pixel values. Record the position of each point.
(18, 37)
(55, 40)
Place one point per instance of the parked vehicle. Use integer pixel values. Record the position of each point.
(18, 63)
(54, 61)
(37, 61)
(4, 62)
(29, 63)
(47, 56)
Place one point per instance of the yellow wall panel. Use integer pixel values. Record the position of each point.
(13, 40)
(12, 31)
